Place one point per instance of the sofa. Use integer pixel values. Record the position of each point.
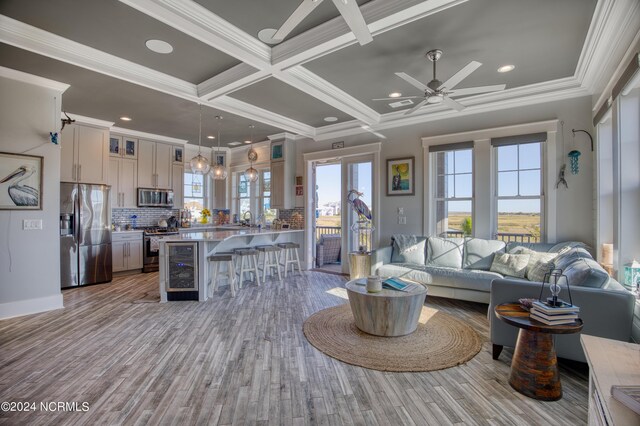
(461, 268)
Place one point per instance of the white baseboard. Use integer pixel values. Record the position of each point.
(30, 306)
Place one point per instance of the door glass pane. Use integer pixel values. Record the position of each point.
(360, 179)
(519, 220)
(507, 184)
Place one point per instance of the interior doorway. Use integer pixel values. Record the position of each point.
(328, 216)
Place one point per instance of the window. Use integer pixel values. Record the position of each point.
(254, 197)
(243, 194)
(453, 170)
(195, 190)
(265, 197)
(519, 195)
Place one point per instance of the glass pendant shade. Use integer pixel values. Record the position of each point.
(199, 165)
(251, 174)
(219, 172)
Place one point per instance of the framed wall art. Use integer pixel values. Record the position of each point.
(400, 176)
(20, 182)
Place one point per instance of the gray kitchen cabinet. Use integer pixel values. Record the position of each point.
(283, 168)
(177, 185)
(84, 154)
(123, 178)
(126, 249)
(154, 164)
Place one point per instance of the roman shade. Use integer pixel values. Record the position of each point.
(629, 73)
(451, 146)
(519, 139)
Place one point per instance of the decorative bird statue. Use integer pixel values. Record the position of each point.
(361, 209)
(22, 195)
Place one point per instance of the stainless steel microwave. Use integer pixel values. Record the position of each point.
(149, 197)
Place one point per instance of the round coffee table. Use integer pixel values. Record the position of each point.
(534, 367)
(387, 313)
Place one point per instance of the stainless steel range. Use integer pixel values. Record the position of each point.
(152, 237)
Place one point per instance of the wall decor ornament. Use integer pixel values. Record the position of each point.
(20, 182)
(400, 176)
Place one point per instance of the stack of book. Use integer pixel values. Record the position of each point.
(552, 315)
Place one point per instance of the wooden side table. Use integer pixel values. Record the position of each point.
(534, 367)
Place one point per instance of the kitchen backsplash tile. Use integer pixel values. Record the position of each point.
(295, 217)
(145, 216)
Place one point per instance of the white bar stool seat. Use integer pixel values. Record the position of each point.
(215, 262)
(290, 257)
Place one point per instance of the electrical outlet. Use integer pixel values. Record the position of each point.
(31, 224)
(402, 220)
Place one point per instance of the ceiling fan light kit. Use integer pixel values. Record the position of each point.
(437, 92)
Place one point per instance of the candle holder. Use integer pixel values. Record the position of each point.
(554, 278)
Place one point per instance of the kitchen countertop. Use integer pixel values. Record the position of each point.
(226, 234)
(132, 231)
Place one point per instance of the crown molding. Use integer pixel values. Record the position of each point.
(310, 83)
(566, 88)
(144, 135)
(44, 43)
(381, 16)
(235, 78)
(81, 119)
(244, 109)
(613, 26)
(198, 22)
(33, 79)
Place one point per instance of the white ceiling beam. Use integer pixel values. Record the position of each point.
(235, 78)
(44, 43)
(310, 83)
(198, 22)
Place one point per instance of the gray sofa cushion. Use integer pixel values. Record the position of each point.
(478, 253)
(439, 276)
(446, 252)
(544, 247)
(514, 265)
(415, 254)
(582, 271)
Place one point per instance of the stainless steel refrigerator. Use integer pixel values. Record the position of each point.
(85, 234)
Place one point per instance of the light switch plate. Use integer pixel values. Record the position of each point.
(400, 211)
(31, 224)
(402, 220)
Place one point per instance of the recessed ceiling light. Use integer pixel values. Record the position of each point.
(330, 119)
(506, 68)
(233, 143)
(395, 94)
(211, 137)
(124, 118)
(159, 46)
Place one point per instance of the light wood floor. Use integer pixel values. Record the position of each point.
(243, 361)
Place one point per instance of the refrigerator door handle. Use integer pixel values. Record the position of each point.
(79, 172)
(73, 172)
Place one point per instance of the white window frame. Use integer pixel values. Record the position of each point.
(541, 197)
(434, 179)
(256, 193)
(206, 198)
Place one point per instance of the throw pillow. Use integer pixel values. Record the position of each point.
(514, 265)
(408, 249)
(478, 253)
(445, 252)
(539, 262)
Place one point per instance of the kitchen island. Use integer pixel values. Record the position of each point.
(203, 243)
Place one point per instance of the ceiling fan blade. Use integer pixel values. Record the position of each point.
(476, 90)
(460, 75)
(415, 108)
(350, 11)
(453, 104)
(393, 99)
(305, 8)
(412, 81)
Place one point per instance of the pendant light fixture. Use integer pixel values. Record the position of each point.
(199, 164)
(218, 170)
(251, 174)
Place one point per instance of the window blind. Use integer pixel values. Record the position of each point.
(451, 146)
(519, 139)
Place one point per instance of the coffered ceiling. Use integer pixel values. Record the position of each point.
(559, 48)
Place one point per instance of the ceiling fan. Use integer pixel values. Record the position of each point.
(348, 9)
(436, 92)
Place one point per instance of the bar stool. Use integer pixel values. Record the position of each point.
(290, 256)
(215, 262)
(247, 263)
(270, 259)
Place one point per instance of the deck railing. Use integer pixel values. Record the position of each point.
(507, 237)
(321, 230)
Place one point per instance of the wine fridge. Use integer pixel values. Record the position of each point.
(182, 270)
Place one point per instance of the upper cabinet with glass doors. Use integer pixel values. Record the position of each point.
(123, 146)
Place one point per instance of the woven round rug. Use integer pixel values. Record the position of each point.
(440, 341)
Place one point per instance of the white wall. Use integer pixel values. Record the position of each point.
(574, 206)
(30, 260)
